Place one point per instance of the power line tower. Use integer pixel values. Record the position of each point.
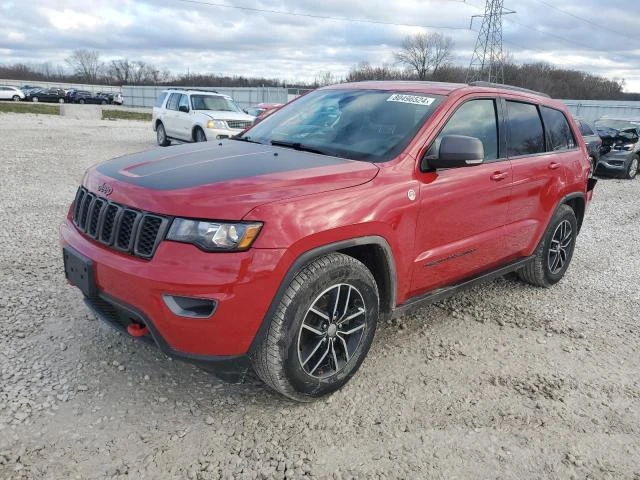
(487, 62)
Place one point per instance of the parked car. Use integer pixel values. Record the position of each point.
(11, 93)
(592, 140)
(282, 248)
(620, 151)
(111, 97)
(26, 89)
(259, 109)
(196, 116)
(84, 96)
(57, 95)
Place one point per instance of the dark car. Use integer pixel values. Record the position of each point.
(592, 140)
(620, 151)
(83, 96)
(56, 95)
(283, 247)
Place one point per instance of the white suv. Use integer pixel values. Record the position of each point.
(196, 116)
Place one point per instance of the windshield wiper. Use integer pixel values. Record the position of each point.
(298, 146)
(245, 139)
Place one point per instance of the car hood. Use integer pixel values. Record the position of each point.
(225, 115)
(220, 180)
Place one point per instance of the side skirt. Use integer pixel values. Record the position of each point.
(444, 292)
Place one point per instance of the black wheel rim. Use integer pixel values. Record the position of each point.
(332, 330)
(560, 247)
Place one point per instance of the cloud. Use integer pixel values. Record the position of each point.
(180, 35)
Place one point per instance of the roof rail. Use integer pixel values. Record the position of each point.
(192, 89)
(508, 87)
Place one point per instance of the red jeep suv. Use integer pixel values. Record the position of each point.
(281, 248)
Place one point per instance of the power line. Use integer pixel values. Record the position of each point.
(323, 17)
(590, 22)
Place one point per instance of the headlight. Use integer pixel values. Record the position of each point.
(214, 236)
(628, 146)
(217, 124)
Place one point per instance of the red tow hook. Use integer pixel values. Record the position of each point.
(137, 330)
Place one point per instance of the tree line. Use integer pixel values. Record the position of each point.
(423, 56)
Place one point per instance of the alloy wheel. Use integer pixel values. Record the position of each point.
(633, 168)
(332, 330)
(560, 247)
(160, 134)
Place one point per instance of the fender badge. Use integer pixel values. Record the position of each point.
(411, 194)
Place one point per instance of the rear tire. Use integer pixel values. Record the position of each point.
(161, 136)
(81, 101)
(554, 253)
(322, 329)
(61, 100)
(632, 169)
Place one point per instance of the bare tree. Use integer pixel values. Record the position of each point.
(325, 78)
(86, 64)
(425, 53)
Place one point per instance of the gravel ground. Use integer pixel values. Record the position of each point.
(504, 381)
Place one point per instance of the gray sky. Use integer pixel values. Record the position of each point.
(182, 35)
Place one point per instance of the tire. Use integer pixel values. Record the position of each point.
(34, 99)
(81, 101)
(291, 358)
(543, 271)
(632, 168)
(61, 100)
(161, 136)
(198, 135)
(103, 102)
(15, 98)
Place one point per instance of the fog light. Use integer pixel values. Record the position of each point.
(190, 307)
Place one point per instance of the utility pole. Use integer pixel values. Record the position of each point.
(487, 61)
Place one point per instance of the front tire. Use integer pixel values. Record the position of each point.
(199, 136)
(15, 98)
(321, 330)
(61, 100)
(34, 99)
(81, 101)
(161, 136)
(553, 255)
(632, 169)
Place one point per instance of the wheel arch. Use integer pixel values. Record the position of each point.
(373, 251)
(578, 204)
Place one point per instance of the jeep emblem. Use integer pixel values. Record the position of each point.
(106, 189)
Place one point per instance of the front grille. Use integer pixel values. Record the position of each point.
(117, 226)
(239, 124)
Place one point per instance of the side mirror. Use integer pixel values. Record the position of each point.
(458, 151)
(183, 108)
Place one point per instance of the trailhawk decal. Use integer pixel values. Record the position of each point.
(414, 99)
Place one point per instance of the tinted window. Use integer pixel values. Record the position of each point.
(172, 103)
(476, 118)
(526, 136)
(558, 129)
(160, 99)
(184, 101)
(585, 129)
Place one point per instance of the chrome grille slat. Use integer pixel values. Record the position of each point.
(117, 226)
(238, 124)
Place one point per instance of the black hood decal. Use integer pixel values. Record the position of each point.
(185, 166)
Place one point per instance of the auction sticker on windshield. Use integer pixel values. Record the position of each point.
(415, 99)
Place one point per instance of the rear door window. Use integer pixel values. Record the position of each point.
(526, 135)
(558, 130)
(184, 101)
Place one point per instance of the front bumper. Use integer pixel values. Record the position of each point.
(243, 284)
(612, 165)
(220, 133)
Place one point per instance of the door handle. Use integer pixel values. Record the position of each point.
(554, 165)
(497, 176)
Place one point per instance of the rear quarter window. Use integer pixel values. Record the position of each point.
(160, 99)
(558, 129)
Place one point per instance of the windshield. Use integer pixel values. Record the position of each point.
(372, 125)
(213, 102)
